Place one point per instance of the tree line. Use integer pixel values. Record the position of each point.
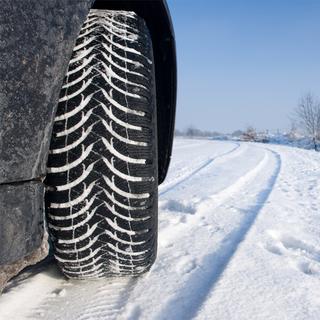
(305, 119)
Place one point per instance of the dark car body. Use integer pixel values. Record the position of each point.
(36, 42)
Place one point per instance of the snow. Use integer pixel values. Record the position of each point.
(238, 239)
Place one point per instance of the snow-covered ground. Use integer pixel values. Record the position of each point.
(239, 238)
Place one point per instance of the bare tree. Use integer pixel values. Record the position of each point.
(308, 116)
(293, 133)
(191, 132)
(250, 134)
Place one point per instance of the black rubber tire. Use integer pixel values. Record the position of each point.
(102, 181)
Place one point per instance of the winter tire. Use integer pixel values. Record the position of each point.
(102, 181)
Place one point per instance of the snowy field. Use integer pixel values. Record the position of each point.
(239, 238)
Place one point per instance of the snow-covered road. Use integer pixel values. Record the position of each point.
(239, 238)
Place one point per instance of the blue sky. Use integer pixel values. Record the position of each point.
(244, 62)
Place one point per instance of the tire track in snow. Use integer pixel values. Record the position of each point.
(198, 169)
(222, 196)
(108, 301)
(215, 200)
(86, 300)
(190, 145)
(187, 301)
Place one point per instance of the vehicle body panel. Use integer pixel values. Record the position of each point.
(37, 38)
(22, 225)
